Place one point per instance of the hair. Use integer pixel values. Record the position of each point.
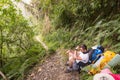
(84, 46)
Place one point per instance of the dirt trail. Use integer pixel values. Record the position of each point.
(52, 69)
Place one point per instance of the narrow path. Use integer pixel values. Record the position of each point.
(41, 42)
(52, 69)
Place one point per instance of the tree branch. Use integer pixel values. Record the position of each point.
(4, 77)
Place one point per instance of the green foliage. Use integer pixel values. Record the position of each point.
(67, 13)
(15, 68)
(86, 76)
(58, 38)
(15, 31)
(104, 33)
(116, 69)
(86, 22)
(18, 51)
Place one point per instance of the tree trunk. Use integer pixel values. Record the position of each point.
(1, 46)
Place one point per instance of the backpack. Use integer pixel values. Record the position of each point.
(93, 52)
(100, 48)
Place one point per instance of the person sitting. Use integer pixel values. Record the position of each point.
(71, 54)
(77, 58)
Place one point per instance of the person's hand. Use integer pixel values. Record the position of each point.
(77, 48)
(67, 51)
(74, 57)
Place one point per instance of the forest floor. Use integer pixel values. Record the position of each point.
(53, 68)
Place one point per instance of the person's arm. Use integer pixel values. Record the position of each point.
(75, 54)
(77, 57)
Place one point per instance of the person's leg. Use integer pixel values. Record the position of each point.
(81, 65)
(71, 58)
(70, 53)
(69, 66)
(75, 66)
(68, 69)
(70, 62)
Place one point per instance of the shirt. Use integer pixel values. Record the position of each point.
(85, 57)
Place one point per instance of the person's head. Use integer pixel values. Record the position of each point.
(83, 48)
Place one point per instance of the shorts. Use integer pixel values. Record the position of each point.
(75, 66)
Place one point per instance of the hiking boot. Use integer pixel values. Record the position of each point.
(67, 71)
(66, 64)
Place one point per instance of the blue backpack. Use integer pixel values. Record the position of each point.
(93, 53)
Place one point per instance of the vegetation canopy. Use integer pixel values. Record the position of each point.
(18, 50)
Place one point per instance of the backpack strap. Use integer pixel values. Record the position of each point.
(90, 52)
